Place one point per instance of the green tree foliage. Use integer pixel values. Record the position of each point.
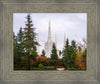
(29, 40)
(69, 54)
(84, 56)
(17, 59)
(20, 35)
(40, 65)
(60, 52)
(73, 50)
(14, 38)
(20, 43)
(19, 51)
(54, 55)
(79, 48)
(66, 54)
(43, 53)
(15, 49)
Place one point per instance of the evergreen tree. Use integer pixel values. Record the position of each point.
(17, 58)
(54, 55)
(29, 41)
(20, 44)
(66, 54)
(43, 53)
(15, 49)
(79, 48)
(73, 50)
(20, 35)
(60, 52)
(69, 54)
(66, 49)
(14, 38)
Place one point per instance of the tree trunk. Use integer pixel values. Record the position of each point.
(28, 62)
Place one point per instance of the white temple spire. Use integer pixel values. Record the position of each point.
(48, 44)
(49, 32)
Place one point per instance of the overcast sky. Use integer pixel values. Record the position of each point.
(73, 25)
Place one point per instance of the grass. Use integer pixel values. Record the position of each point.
(21, 68)
(46, 68)
(37, 68)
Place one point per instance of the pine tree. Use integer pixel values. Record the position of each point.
(73, 51)
(17, 59)
(21, 50)
(66, 48)
(15, 49)
(69, 54)
(20, 35)
(79, 48)
(43, 53)
(54, 55)
(29, 40)
(66, 54)
(14, 38)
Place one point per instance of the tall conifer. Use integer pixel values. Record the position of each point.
(54, 55)
(29, 40)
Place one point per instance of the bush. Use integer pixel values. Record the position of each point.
(72, 69)
(33, 63)
(49, 68)
(41, 66)
(56, 62)
(59, 66)
(65, 65)
(41, 58)
(44, 61)
(38, 69)
(49, 62)
(22, 68)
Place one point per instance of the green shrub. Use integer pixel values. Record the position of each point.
(22, 68)
(38, 69)
(49, 68)
(56, 63)
(41, 66)
(72, 68)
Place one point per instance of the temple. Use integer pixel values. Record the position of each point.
(48, 45)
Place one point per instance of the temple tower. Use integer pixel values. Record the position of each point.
(49, 43)
(64, 40)
(49, 33)
(56, 44)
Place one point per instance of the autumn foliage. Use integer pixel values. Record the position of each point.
(41, 59)
(79, 61)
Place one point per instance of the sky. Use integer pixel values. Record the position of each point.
(73, 25)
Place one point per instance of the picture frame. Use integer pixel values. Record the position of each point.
(91, 75)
